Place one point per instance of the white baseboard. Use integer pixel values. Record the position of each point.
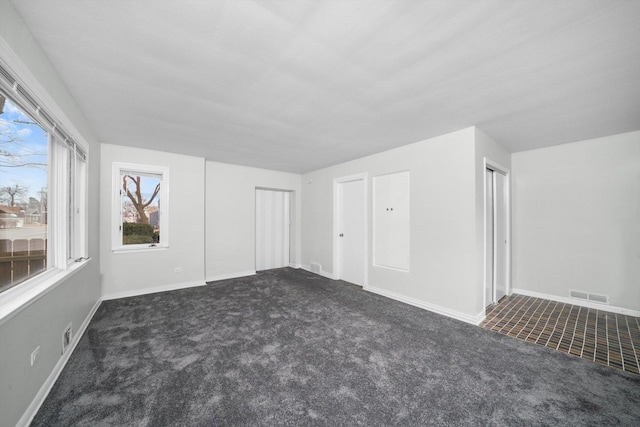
(37, 401)
(581, 303)
(230, 276)
(322, 272)
(294, 265)
(145, 291)
(474, 320)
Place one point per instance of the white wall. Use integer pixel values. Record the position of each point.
(576, 219)
(443, 265)
(42, 322)
(230, 217)
(125, 274)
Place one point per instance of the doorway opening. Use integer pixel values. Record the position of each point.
(273, 228)
(497, 233)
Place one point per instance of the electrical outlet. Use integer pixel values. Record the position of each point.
(177, 269)
(67, 334)
(35, 354)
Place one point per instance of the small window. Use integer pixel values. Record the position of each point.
(140, 207)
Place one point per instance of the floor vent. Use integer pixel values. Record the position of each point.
(315, 267)
(603, 299)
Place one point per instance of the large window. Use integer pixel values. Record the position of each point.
(43, 173)
(140, 207)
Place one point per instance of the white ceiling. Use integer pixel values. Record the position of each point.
(302, 84)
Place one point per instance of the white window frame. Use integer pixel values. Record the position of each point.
(116, 207)
(67, 234)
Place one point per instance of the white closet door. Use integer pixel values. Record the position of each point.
(489, 240)
(391, 228)
(496, 249)
(500, 233)
(272, 229)
(351, 222)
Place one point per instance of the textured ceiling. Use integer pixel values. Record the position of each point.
(302, 84)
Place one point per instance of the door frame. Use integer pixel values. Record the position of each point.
(336, 220)
(496, 167)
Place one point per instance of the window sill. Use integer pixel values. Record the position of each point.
(14, 300)
(139, 249)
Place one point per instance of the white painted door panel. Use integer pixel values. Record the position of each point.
(489, 237)
(351, 229)
(391, 221)
(500, 224)
(272, 229)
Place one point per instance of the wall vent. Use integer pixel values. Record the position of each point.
(315, 267)
(602, 299)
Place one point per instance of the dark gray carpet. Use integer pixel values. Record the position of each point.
(287, 347)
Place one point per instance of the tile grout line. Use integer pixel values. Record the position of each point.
(538, 321)
(573, 324)
(632, 345)
(595, 344)
(566, 322)
(606, 329)
(497, 312)
(507, 304)
(515, 307)
(593, 312)
(619, 342)
(522, 316)
(552, 315)
(549, 312)
(575, 328)
(555, 326)
(584, 333)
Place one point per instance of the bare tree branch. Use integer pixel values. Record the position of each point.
(11, 193)
(137, 200)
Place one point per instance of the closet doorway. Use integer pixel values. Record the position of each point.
(273, 228)
(497, 236)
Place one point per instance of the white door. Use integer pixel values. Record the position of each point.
(496, 249)
(500, 233)
(272, 229)
(488, 217)
(351, 232)
(391, 221)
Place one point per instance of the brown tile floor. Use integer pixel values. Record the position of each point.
(607, 338)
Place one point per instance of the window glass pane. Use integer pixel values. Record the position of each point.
(79, 221)
(24, 158)
(70, 206)
(140, 208)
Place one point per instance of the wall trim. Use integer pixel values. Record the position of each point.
(153, 290)
(294, 265)
(42, 394)
(230, 276)
(474, 320)
(322, 272)
(573, 301)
